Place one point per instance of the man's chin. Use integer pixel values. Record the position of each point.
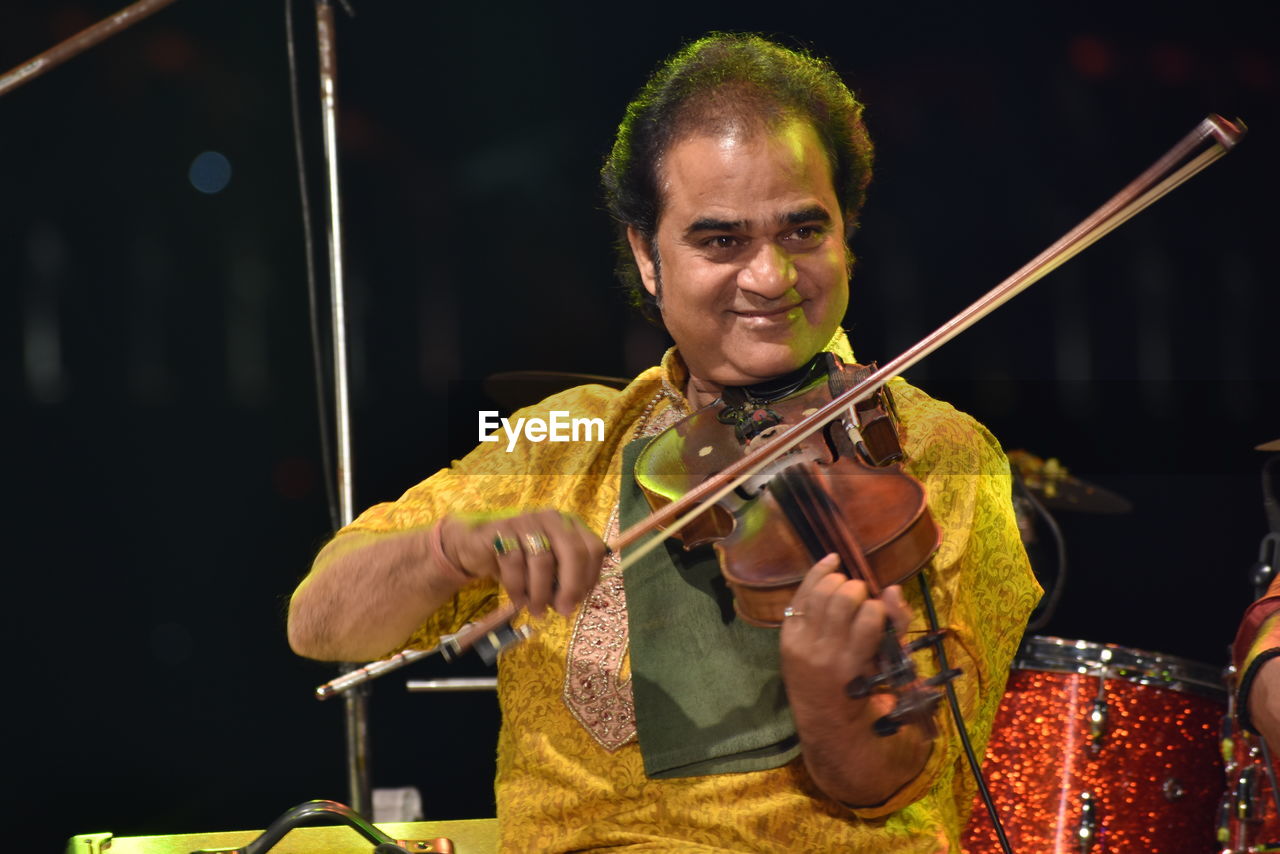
(764, 370)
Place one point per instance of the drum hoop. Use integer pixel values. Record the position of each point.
(1061, 655)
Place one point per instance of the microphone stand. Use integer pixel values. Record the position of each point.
(355, 703)
(356, 711)
(80, 42)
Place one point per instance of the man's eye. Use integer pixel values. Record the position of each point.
(809, 234)
(721, 241)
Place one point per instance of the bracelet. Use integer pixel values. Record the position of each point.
(437, 552)
(1246, 685)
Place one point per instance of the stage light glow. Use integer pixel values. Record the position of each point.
(210, 172)
(1091, 56)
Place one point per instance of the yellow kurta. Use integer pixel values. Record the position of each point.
(570, 776)
(1257, 641)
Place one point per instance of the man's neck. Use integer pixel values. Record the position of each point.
(700, 392)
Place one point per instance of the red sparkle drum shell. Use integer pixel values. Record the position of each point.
(1143, 776)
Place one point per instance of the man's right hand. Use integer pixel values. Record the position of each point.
(541, 558)
(367, 592)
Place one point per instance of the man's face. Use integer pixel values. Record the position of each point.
(753, 278)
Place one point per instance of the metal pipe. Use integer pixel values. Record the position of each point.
(80, 42)
(356, 703)
(459, 683)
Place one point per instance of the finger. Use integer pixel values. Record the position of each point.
(579, 568)
(512, 571)
(817, 603)
(865, 633)
(843, 605)
(897, 607)
(596, 549)
(799, 625)
(540, 567)
(820, 570)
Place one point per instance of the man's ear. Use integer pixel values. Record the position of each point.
(644, 260)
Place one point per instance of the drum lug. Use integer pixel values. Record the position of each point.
(1246, 795)
(1098, 712)
(1098, 715)
(1225, 825)
(1086, 833)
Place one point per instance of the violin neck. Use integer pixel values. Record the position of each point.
(819, 523)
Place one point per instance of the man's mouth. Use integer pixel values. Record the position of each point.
(780, 311)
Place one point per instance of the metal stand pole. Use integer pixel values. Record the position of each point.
(356, 710)
(81, 41)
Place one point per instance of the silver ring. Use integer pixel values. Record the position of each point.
(536, 544)
(792, 612)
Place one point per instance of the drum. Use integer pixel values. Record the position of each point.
(1099, 749)
(1249, 820)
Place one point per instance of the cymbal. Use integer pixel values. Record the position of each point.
(1269, 446)
(514, 389)
(1057, 489)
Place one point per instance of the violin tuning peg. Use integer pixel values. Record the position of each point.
(929, 639)
(858, 688)
(886, 726)
(943, 678)
(862, 686)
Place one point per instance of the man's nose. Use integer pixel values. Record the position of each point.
(769, 272)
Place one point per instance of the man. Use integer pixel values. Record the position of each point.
(1256, 655)
(645, 716)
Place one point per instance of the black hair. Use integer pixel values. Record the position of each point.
(718, 82)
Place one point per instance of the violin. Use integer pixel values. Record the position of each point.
(858, 503)
(841, 490)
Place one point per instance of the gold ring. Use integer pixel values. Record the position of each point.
(503, 545)
(536, 544)
(792, 612)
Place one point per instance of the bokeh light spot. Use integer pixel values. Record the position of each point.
(210, 172)
(1171, 63)
(1091, 57)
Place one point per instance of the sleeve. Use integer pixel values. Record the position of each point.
(980, 580)
(447, 491)
(494, 477)
(1257, 641)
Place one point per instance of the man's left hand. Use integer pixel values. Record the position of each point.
(834, 633)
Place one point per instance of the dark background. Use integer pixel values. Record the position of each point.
(167, 489)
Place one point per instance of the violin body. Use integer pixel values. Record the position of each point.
(826, 495)
(871, 501)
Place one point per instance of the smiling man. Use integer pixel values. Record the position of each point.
(642, 714)
(753, 279)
